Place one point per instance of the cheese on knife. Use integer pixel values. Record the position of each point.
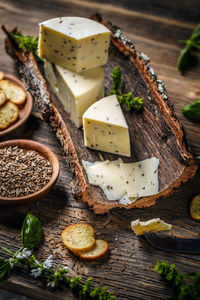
(141, 178)
(76, 43)
(156, 224)
(76, 91)
(105, 127)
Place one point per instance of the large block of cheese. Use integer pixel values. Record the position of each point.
(78, 44)
(76, 91)
(105, 127)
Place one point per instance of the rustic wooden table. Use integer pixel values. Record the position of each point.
(154, 27)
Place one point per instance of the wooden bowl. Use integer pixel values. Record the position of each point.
(24, 111)
(45, 152)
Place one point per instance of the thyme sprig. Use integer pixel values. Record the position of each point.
(185, 286)
(130, 101)
(31, 235)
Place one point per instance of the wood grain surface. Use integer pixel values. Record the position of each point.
(154, 27)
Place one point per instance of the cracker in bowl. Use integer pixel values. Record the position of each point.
(9, 113)
(14, 93)
(2, 97)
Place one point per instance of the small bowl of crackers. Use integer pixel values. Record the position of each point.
(15, 104)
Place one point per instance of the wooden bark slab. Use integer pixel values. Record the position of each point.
(155, 131)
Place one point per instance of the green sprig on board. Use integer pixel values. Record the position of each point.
(185, 287)
(186, 55)
(26, 42)
(31, 235)
(130, 101)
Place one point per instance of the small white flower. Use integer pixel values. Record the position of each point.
(36, 272)
(26, 253)
(48, 264)
(19, 255)
(51, 284)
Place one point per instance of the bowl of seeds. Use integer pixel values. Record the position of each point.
(28, 170)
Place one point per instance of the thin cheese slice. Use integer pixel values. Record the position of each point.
(105, 127)
(156, 224)
(92, 173)
(108, 176)
(125, 200)
(78, 44)
(141, 178)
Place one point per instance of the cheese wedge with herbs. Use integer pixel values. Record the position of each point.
(76, 91)
(107, 175)
(156, 224)
(141, 178)
(105, 128)
(75, 43)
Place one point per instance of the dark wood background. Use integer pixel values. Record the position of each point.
(154, 27)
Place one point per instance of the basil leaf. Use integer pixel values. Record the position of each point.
(196, 33)
(4, 268)
(184, 58)
(116, 74)
(31, 233)
(192, 111)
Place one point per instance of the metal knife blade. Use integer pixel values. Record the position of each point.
(172, 244)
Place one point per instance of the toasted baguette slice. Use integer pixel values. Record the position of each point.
(100, 248)
(9, 113)
(2, 97)
(195, 208)
(78, 237)
(1, 75)
(14, 93)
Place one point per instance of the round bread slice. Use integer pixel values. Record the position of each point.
(1, 75)
(78, 237)
(4, 84)
(2, 97)
(9, 113)
(195, 207)
(100, 248)
(14, 93)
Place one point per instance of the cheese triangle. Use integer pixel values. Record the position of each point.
(105, 127)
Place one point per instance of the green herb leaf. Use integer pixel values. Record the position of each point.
(116, 75)
(197, 160)
(192, 111)
(184, 286)
(196, 33)
(27, 42)
(130, 101)
(4, 268)
(31, 233)
(186, 59)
